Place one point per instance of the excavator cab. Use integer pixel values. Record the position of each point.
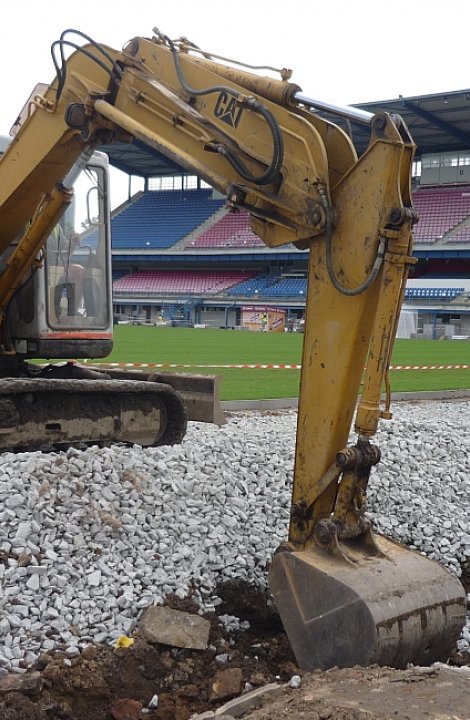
(71, 291)
(56, 303)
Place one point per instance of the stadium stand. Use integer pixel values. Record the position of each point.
(118, 274)
(232, 230)
(178, 282)
(254, 286)
(160, 219)
(426, 293)
(270, 286)
(441, 213)
(178, 253)
(286, 287)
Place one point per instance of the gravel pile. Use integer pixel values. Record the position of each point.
(90, 538)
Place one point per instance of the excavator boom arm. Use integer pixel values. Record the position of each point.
(261, 155)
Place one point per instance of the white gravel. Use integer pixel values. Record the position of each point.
(90, 538)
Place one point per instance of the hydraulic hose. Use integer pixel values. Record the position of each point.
(252, 104)
(351, 292)
(61, 70)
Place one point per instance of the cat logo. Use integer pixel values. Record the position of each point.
(227, 109)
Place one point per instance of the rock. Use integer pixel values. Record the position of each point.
(295, 682)
(198, 515)
(153, 704)
(173, 627)
(94, 578)
(126, 709)
(258, 678)
(89, 652)
(28, 684)
(33, 582)
(24, 559)
(227, 684)
(249, 701)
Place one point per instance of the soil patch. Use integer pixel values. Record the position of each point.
(164, 683)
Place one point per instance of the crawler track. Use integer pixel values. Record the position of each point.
(43, 414)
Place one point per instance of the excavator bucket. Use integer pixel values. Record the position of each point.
(390, 610)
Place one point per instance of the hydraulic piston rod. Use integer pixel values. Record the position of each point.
(346, 111)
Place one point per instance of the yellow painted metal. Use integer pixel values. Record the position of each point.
(201, 393)
(45, 148)
(346, 596)
(188, 133)
(338, 327)
(149, 103)
(338, 146)
(393, 609)
(279, 92)
(395, 271)
(25, 253)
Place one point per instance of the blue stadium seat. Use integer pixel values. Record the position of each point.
(159, 219)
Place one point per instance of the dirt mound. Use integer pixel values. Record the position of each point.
(159, 682)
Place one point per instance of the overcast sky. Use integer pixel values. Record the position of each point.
(340, 51)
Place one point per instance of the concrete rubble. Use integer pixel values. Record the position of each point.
(172, 627)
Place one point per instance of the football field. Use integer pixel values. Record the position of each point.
(216, 352)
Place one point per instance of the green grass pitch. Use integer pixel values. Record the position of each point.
(193, 347)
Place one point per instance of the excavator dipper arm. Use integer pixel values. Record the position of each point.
(347, 596)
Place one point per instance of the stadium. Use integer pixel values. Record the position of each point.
(180, 258)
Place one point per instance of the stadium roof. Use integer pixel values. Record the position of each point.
(438, 123)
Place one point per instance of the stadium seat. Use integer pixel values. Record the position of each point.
(159, 219)
(188, 282)
(232, 230)
(440, 210)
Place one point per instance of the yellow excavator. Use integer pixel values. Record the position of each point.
(346, 595)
